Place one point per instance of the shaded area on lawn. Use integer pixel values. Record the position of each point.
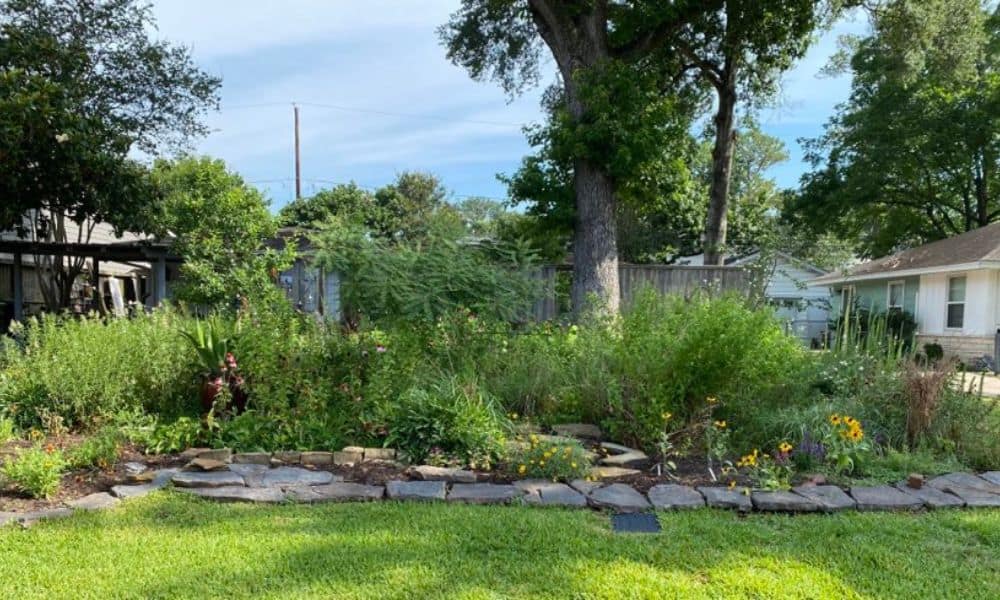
(170, 546)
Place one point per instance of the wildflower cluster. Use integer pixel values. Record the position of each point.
(847, 427)
(769, 471)
(538, 459)
(36, 471)
(844, 441)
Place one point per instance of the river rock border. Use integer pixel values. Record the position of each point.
(291, 477)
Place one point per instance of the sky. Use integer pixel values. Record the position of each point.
(377, 95)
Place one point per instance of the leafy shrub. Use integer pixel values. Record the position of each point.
(7, 430)
(450, 418)
(419, 281)
(100, 450)
(303, 381)
(535, 459)
(179, 435)
(36, 471)
(89, 370)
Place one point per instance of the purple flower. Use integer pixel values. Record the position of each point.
(380, 348)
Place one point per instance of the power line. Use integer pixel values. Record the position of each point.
(370, 111)
(370, 188)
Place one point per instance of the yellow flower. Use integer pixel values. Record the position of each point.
(521, 469)
(513, 416)
(834, 419)
(666, 416)
(857, 435)
(712, 400)
(573, 465)
(541, 463)
(784, 447)
(720, 424)
(732, 483)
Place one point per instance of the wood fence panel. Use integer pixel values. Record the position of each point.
(666, 279)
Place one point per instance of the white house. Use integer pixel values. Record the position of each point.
(952, 288)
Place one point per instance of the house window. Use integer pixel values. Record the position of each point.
(956, 302)
(896, 291)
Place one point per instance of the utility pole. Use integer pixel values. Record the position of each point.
(298, 159)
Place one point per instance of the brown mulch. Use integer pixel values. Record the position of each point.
(690, 470)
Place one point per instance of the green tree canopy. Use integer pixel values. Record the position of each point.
(405, 209)
(662, 214)
(219, 224)
(81, 85)
(912, 156)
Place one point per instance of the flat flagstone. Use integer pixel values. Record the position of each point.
(585, 487)
(723, 497)
(932, 497)
(548, 493)
(974, 498)
(347, 458)
(380, 454)
(238, 494)
(619, 497)
(483, 493)
(991, 476)
(288, 457)
(249, 471)
(30, 518)
(578, 430)
(288, 476)
(206, 464)
(252, 458)
(430, 473)
(7, 517)
(671, 496)
(830, 498)
(609, 472)
(335, 492)
(98, 501)
(207, 479)
(416, 490)
(884, 497)
(782, 501)
(159, 481)
(976, 492)
(220, 454)
(623, 456)
(316, 458)
(952, 481)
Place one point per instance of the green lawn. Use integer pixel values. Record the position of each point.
(169, 546)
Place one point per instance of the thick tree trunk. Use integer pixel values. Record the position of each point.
(722, 166)
(578, 41)
(595, 242)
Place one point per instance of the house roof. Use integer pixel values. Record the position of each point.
(976, 249)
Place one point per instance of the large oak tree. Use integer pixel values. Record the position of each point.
(83, 84)
(611, 82)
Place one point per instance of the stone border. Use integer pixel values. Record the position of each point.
(271, 478)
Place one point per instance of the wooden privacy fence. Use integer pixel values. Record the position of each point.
(666, 279)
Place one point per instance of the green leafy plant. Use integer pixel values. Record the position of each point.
(36, 471)
(450, 417)
(100, 450)
(537, 459)
(179, 435)
(88, 370)
(211, 344)
(7, 430)
(769, 472)
(845, 443)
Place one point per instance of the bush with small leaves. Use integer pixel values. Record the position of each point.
(36, 471)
